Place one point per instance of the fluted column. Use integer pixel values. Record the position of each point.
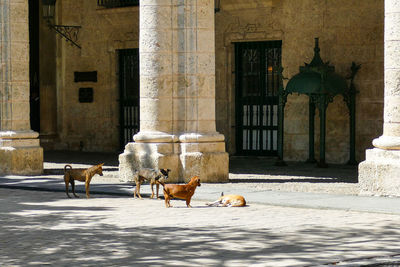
(177, 93)
(20, 152)
(378, 174)
(156, 72)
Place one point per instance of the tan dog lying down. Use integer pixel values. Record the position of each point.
(182, 191)
(228, 201)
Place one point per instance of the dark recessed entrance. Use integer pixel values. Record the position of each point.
(129, 94)
(34, 100)
(257, 87)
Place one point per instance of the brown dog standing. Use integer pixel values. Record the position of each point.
(182, 191)
(83, 175)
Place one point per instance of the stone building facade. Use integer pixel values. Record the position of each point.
(348, 31)
(345, 35)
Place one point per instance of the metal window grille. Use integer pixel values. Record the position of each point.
(257, 83)
(129, 94)
(117, 3)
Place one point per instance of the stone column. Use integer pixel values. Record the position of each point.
(20, 152)
(379, 173)
(177, 93)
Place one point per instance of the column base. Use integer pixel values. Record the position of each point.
(387, 142)
(186, 158)
(20, 153)
(207, 160)
(149, 155)
(379, 173)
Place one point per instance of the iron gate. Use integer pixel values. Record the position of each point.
(129, 94)
(257, 85)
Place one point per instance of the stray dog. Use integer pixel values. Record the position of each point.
(228, 201)
(151, 175)
(83, 175)
(183, 191)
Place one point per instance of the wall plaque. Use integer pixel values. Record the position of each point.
(86, 95)
(85, 76)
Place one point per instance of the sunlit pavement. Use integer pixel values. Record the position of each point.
(46, 228)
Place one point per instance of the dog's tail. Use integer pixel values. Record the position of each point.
(65, 167)
(165, 191)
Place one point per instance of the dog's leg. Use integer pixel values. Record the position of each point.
(66, 180)
(72, 181)
(87, 185)
(188, 202)
(214, 204)
(167, 199)
(138, 189)
(134, 191)
(152, 190)
(157, 187)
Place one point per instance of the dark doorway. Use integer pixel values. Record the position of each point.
(257, 85)
(129, 94)
(34, 100)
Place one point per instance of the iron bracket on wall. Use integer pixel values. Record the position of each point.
(70, 33)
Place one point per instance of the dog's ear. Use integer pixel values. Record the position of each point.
(101, 164)
(164, 171)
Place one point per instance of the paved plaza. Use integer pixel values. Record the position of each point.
(47, 229)
(283, 224)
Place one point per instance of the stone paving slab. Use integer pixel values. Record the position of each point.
(254, 193)
(298, 216)
(257, 179)
(47, 229)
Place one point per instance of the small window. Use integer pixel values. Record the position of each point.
(117, 3)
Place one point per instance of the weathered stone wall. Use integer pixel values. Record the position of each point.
(347, 30)
(92, 126)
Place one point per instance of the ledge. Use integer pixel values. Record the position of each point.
(18, 135)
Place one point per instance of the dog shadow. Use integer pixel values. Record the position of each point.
(193, 207)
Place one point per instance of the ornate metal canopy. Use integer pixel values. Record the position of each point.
(319, 81)
(317, 78)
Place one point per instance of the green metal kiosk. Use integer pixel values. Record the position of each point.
(321, 84)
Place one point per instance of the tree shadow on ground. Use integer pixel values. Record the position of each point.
(77, 157)
(261, 169)
(264, 170)
(43, 183)
(41, 234)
